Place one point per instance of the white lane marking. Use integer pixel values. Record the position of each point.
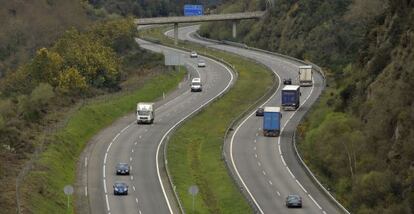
(198, 73)
(107, 202)
(132, 151)
(135, 143)
(146, 130)
(315, 202)
(303, 188)
(132, 177)
(140, 212)
(280, 150)
(136, 200)
(106, 157)
(278, 193)
(254, 148)
(130, 159)
(140, 137)
(106, 191)
(264, 173)
(165, 135)
(283, 160)
(257, 134)
(270, 182)
(259, 164)
(290, 172)
(86, 162)
(324, 212)
(255, 141)
(133, 187)
(103, 172)
(86, 191)
(255, 155)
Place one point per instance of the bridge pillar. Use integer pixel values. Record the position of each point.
(234, 29)
(176, 33)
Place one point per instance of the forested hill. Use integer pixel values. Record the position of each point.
(359, 138)
(25, 27)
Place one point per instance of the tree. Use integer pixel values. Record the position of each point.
(46, 66)
(72, 82)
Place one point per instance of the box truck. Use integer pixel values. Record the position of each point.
(290, 97)
(145, 113)
(271, 121)
(305, 75)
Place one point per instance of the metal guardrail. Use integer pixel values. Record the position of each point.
(297, 154)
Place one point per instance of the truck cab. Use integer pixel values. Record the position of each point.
(196, 85)
(291, 97)
(145, 113)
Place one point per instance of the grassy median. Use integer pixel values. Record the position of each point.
(43, 187)
(195, 150)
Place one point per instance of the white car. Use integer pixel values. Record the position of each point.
(201, 63)
(193, 54)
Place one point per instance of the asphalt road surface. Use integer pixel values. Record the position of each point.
(139, 145)
(268, 167)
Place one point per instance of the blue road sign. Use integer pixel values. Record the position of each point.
(193, 10)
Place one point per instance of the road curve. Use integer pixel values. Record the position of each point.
(139, 145)
(268, 167)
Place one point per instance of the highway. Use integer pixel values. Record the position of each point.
(140, 145)
(268, 167)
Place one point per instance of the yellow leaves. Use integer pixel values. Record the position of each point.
(46, 66)
(71, 81)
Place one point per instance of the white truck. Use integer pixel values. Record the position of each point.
(305, 75)
(196, 85)
(145, 113)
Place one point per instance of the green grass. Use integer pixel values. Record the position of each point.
(195, 150)
(43, 187)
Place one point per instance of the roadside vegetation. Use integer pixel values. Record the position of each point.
(53, 104)
(358, 139)
(195, 150)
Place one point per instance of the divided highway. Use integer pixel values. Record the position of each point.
(268, 167)
(139, 145)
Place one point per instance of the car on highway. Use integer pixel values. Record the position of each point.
(122, 169)
(287, 81)
(196, 85)
(201, 63)
(260, 112)
(193, 54)
(120, 188)
(293, 201)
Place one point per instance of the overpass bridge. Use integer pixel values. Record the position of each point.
(234, 17)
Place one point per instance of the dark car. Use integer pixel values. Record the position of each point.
(122, 169)
(293, 201)
(260, 112)
(287, 81)
(120, 188)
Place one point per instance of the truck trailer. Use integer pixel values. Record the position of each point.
(305, 75)
(271, 121)
(145, 113)
(291, 97)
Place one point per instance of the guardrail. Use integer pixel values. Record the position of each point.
(297, 154)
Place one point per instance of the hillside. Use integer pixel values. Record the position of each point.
(29, 25)
(367, 110)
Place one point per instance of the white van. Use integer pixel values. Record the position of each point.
(196, 85)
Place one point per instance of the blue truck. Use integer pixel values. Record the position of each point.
(291, 97)
(271, 121)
